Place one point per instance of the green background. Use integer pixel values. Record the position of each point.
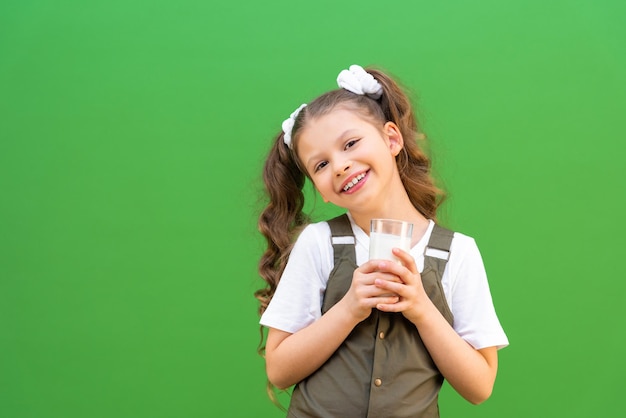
(132, 135)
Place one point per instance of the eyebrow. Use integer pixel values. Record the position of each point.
(345, 133)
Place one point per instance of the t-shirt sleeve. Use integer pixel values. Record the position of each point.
(475, 318)
(298, 298)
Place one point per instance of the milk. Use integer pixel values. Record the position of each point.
(381, 245)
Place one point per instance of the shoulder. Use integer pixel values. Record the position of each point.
(463, 243)
(314, 233)
(469, 296)
(298, 297)
(313, 244)
(461, 246)
(465, 263)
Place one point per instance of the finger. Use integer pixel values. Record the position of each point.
(392, 307)
(373, 292)
(407, 260)
(386, 276)
(405, 274)
(388, 301)
(367, 280)
(390, 287)
(369, 266)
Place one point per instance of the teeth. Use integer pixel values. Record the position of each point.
(353, 182)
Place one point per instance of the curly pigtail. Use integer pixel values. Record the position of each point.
(282, 218)
(413, 164)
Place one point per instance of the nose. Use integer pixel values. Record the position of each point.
(343, 168)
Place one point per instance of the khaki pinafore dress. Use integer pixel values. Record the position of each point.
(382, 369)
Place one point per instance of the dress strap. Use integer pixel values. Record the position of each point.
(342, 238)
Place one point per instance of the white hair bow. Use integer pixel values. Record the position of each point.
(359, 81)
(288, 125)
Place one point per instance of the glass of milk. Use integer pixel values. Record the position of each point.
(386, 234)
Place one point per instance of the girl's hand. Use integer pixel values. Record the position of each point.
(413, 301)
(364, 294)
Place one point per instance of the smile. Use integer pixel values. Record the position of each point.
(354, 181)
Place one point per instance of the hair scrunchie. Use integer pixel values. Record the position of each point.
(288, 124)
(359, 81)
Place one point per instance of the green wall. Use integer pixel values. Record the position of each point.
(132, 134)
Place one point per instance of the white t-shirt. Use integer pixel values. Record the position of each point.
(300, 292)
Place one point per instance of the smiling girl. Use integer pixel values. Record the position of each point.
(359, 337)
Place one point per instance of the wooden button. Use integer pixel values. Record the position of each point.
(378, 382)
(381, 335)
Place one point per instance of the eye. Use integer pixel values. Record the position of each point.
(351, 143)
(319, 166)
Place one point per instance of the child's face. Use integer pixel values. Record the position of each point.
(350, 160)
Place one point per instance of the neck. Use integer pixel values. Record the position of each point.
(401, 209)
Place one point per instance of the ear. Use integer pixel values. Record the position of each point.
(394, 138)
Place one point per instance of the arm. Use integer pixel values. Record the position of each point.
(289, 358)
(472, 373)
(469, 371)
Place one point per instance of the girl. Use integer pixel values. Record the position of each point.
(359, 337)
